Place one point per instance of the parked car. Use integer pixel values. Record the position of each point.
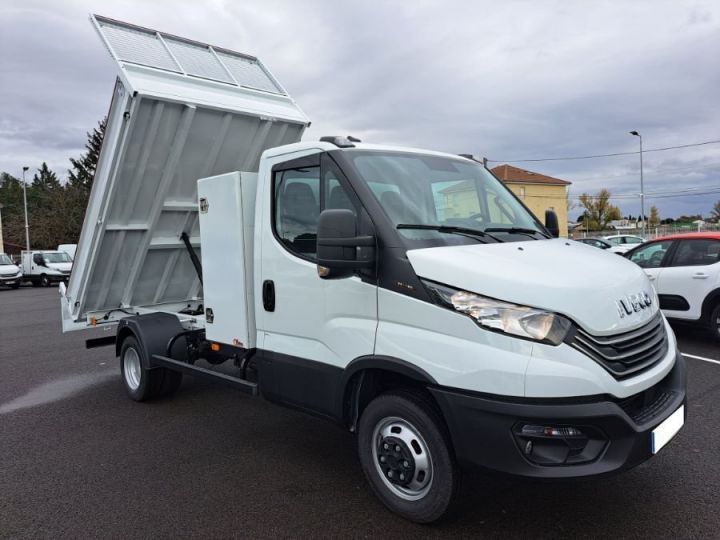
(44, 268)
(594, 242)
(10, 273)
(685, 270)
(622, 243)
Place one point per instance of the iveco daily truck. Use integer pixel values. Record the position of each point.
(405, 294)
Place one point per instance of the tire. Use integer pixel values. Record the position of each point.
(409, 421)
(714, 323)
(15, 286)
(44, 281)
(141, 384)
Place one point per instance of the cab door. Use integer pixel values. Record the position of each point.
(311, 328)
(651, 257)
(692, 273)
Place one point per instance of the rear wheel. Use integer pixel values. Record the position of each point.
(714, 325)
(406, 456)
(143, 384)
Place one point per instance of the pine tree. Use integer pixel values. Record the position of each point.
(45, 178)
(82, 172)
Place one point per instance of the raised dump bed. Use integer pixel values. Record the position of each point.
(181, 110)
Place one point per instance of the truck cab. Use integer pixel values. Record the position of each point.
(10, 273)
(407, 295)
(43, 268)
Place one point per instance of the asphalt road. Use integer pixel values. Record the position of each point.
(79, 459)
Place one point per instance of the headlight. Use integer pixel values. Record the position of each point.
(523, 321)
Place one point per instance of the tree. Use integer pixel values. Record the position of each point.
(715, 212)
(83, 169)
(45, 178)
(598, 210)
(654, 219)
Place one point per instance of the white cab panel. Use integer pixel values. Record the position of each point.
(227, 214)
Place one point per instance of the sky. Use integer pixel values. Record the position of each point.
(506, 80)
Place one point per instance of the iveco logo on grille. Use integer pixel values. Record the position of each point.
(633, 303)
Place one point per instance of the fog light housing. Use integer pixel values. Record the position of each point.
(551, 444)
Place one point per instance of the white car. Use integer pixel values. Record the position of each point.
(10, 274)
(622, 243)
(685, 270)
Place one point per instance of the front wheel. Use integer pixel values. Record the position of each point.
(44, 281)
(406, 456)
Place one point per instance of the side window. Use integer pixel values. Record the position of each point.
(300, 196)
(38, 258)
(633, 240)
(615, 241)
(696, 253)
(297, 208)
(651, 255)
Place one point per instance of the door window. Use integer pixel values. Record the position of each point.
(698, 252)
(651, 255)
(299, 198)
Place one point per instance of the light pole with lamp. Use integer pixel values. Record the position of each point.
(642, 188)
(27, 227)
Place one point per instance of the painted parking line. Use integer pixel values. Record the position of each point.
(711, 360)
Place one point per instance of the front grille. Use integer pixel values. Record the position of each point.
(626, 353)
(11, 274)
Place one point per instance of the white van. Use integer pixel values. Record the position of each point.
(43, 268)
(405, 294)
(10, 273)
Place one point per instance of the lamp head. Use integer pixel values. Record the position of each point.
(635, 133)
(25, 168)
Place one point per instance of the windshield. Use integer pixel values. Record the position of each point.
(4, 259)
(57, 257)
(436, 191)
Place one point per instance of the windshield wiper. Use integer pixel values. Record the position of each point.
(477, 234)
(517, 230)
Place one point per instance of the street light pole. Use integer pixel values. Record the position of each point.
(642, 188)
(27, 227)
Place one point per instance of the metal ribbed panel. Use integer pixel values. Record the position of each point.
(626, 353)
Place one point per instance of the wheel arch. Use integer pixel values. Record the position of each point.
(711, 300)
(153, 332)
(368, 376)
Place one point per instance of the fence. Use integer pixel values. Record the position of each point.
(652, 232)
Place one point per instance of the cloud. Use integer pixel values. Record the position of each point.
(504, 80)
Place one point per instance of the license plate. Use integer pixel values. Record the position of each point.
(662, 434)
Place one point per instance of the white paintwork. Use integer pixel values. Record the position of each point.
(693, 283)
(618, 245)
(457, 353)
(30, 269)
(226, 234)
(9, 273)
(330, 321)
(562, 276)
(70, 249)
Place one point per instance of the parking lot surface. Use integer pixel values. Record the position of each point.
(79, 459)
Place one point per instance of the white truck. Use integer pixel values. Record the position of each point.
(10, 273)
(405, 294)
(45, 267)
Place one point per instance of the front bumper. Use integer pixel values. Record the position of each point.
(487, 431)
(14, 280)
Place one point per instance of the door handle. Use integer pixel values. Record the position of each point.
(650, 277)
(268, 294)
(700, 275)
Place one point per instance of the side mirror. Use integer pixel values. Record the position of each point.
(339, 249)
(551, 223)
